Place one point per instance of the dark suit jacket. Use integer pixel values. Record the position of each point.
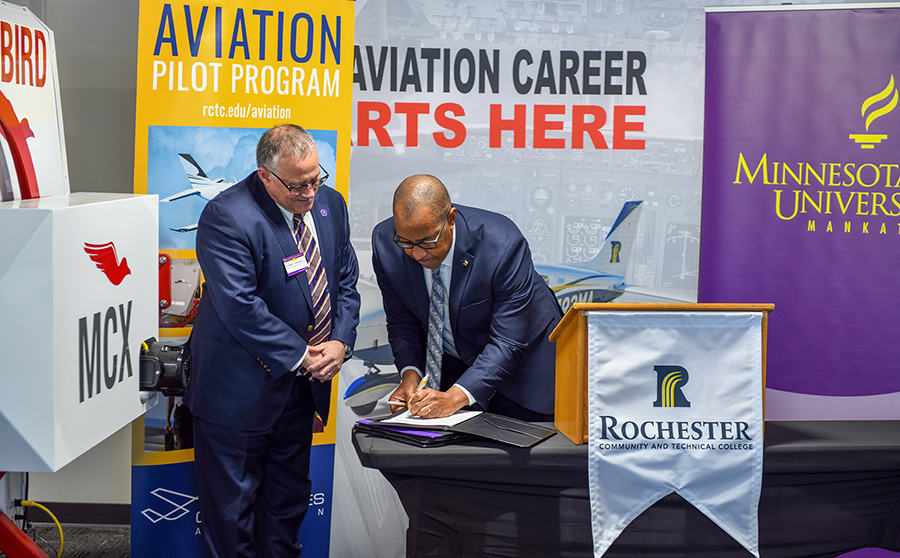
(501, 311)
(254, 321)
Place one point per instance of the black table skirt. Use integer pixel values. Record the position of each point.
(828, 488)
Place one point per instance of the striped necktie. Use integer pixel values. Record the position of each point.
(318, 283)
(435, 341)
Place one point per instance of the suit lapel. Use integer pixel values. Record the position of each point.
(278, 225)
(463, 261)
(321, 216)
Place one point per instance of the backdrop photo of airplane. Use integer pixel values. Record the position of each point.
(600, 279)
(201, 186)
(189, 165)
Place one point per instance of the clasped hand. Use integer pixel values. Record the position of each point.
(324, 360)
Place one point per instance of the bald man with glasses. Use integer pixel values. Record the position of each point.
(466, 276)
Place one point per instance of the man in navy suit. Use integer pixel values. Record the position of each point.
(270, 335)
(498, 311)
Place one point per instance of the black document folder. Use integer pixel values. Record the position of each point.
(505, 429)
(483, 425)
(413, 436)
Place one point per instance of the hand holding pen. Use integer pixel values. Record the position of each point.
(425, 402)
(398, 403)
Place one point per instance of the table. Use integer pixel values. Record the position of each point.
(828, 488)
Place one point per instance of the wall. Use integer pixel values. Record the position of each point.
(96, 49)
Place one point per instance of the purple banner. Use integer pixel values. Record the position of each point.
(801, 190)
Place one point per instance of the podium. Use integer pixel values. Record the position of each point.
(571, 338)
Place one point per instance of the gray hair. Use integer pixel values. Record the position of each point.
(285, 140)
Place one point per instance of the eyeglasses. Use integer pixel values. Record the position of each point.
(315, 185)
(425, 245)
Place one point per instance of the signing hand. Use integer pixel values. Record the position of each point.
(430, 403)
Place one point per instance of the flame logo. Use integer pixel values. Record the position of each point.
(879, 97)
(868, 141)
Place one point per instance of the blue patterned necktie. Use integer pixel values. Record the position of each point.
(435, 345)
(318, 282)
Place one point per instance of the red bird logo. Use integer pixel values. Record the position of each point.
(104, 255)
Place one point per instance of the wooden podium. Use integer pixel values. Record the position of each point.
(571, 338)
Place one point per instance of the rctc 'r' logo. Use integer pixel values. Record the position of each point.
(614, 254)
(669, 380)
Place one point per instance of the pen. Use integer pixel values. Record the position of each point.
(399, 403)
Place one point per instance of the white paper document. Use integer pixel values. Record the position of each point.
(407, 419)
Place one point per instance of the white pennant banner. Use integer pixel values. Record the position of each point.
(675, 405)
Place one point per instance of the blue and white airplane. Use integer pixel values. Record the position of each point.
(602, 278)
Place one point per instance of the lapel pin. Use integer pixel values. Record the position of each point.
(465, 263)
(324, 212)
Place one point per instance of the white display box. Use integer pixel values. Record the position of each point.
(70, 332)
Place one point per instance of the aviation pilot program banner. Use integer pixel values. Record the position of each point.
(211, 78)
(801, 199)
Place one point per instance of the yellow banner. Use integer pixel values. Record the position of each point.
(254, 66)
(211, 78)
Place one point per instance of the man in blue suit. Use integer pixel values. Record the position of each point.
(276, 322)
(498, 312)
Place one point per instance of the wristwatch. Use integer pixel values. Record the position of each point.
(348, 352)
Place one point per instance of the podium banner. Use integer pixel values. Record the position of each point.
(675, 405)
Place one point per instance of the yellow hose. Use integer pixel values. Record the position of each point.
(30, 504)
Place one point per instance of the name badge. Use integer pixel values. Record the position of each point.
(295, 264)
